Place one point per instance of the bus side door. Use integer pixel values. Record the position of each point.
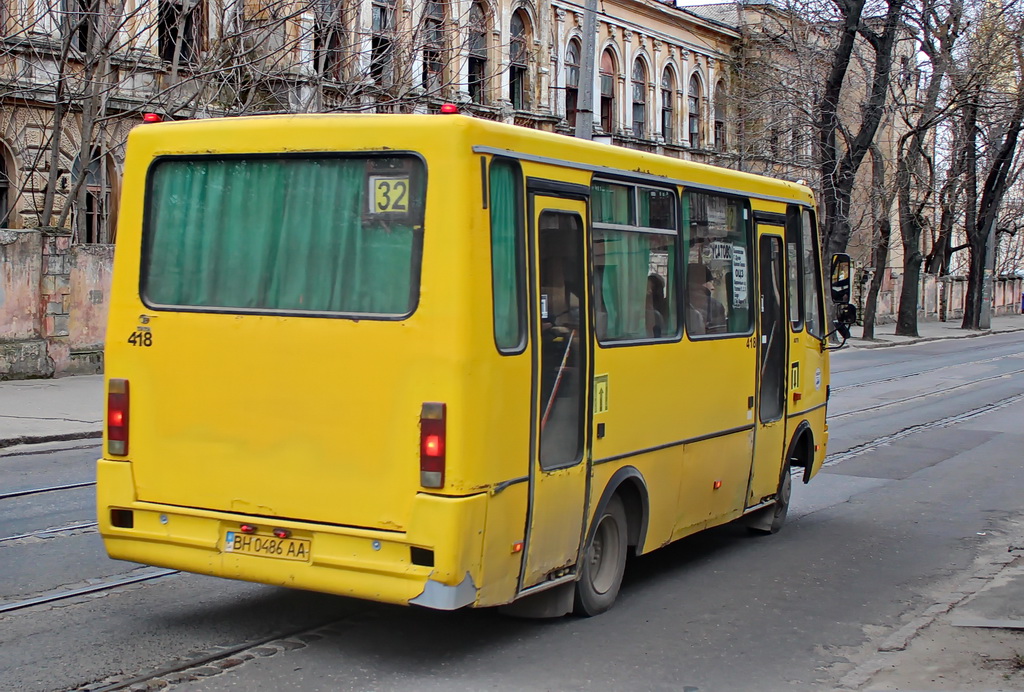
(561, 387)
(808, 361)
(772, 337)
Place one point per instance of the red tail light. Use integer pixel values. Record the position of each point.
(432, 444)
(117, 417)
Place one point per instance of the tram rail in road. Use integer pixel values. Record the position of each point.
(44, 532)
(47, 489)
(925, 395)
(925, 371)
(106, 585)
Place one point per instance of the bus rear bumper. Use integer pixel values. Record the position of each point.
(360, 563)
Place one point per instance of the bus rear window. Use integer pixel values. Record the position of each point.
(321, 234)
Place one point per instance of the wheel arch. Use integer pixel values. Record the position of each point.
(801, 449)
(629, 484)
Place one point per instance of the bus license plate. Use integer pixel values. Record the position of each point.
(267, 546)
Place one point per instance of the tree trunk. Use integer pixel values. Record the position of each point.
(53, 174)
(881, 258)
(975, 287)
(906, 320)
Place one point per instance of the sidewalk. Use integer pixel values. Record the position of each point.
(885, 334)
(66, 408)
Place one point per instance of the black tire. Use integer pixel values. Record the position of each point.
(604, 562)
(780, 510)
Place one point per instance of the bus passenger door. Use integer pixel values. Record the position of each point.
(772, 337)
(561, 378)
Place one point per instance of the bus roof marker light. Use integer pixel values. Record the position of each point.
(151, 118)
(449, 109)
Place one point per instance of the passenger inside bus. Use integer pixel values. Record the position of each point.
(707, 314)
(655, 305)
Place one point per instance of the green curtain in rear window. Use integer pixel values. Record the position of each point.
(283, 234)
(506, 223)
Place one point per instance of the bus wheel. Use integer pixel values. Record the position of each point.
(775, 516)
(604, 562)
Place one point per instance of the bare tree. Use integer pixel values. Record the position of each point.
(991, 123)
(881, 203)
(939, 26)
(820, 71)
(840, 158)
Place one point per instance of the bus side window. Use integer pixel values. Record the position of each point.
(634, 255)
(507, 254)
(717, 241)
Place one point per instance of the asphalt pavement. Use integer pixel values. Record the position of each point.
(962, 625)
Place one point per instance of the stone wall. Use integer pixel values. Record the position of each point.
(53, 304)
(23, 352)
(939, 298)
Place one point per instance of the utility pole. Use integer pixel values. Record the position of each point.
(585, 101)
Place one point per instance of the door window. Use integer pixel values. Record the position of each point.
(813, 312)
(562, 356)
(773, 334)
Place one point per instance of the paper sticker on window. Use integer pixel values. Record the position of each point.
(389, 194)
(739, 276)
(543, 306)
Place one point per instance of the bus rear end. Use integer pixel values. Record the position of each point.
(279, 388)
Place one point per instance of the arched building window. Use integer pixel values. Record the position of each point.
(693, 112)
(668, 96)
(639, 98)
(95, 209)
(608, 72)
(435, 49)
(519, 61)
(477, 61)
(7, 188)
(572, 81)
(720, 101)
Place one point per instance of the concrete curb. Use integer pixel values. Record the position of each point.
(861, 675)
(40, 439)
(879, 343)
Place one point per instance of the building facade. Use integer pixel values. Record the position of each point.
(77, 75)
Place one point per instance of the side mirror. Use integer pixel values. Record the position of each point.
(846, 316)
(841, 279)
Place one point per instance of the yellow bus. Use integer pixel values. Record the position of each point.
(434, 360)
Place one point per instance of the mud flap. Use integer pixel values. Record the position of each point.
(551, 603)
